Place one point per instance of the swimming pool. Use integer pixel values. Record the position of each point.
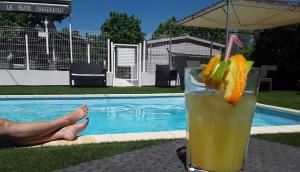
(123, 115)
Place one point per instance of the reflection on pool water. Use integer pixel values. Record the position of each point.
(123, 115)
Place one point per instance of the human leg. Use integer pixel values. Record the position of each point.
(67, 133)
(26, 130)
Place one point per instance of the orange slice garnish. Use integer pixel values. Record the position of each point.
(209, 69)
(235, 80)
(211, 65)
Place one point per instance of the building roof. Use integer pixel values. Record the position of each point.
(159, 42)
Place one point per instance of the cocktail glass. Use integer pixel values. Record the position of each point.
(217, 132)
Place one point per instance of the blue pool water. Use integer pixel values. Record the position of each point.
(123, 115)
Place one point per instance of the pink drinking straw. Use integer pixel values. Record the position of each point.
(232, 39)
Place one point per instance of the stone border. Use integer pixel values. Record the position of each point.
(107, 138)
(279, 109)
(275, 129)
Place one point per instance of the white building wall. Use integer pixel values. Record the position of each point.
(39, 77)
(109, 79)
(148, 79)
(33, 77)
(182, 48)
(160, 54)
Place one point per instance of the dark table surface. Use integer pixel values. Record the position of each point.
(263, 156)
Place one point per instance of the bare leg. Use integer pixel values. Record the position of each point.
(67, 133)
(23, 130)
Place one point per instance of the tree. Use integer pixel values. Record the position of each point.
(280, 46)
(167, 29)
(26, 20)
(122, 28)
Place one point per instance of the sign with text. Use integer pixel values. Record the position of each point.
(34, 8)
(43, 34)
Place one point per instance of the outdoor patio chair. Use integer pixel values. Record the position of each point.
(264, 74)
(186, 61)
(193, 63)
(164, 76)
(173, 77)
(87, 75)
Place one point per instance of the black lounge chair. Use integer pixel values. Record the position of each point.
(264, 77)
(164, 76)
(87, 75)
(173, 77)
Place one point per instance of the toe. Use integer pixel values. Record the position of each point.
(85, 108)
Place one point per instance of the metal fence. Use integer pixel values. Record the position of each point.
(40, 49)
(37, 49)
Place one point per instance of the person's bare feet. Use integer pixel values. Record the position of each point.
(69, 133)
(77, 114)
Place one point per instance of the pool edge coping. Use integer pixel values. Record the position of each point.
(143, 136)
(278, 108)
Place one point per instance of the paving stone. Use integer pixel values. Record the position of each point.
(263, 156)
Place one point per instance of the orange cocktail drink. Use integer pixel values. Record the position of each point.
(218, 132)
(220, 103)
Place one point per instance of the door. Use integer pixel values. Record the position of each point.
(126, 65)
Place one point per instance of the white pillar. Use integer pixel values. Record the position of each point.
(47, 35)
(108, 55)
(88, 53)
(71, 44)
(27, 52)
(211, 48)
(144, 57)
(112, 47)
(53, 51)
(140, 65)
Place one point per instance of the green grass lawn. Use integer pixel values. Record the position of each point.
(289, 99)
(35, 90)
(51, 158)
(285, 138)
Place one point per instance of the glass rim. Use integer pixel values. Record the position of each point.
(193, 84)
(252, 69)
